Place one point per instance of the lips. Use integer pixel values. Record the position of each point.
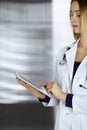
(75, 26)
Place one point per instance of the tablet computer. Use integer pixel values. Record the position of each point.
(42, 90)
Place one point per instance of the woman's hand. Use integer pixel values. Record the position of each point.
(31, 89)
(53, 89)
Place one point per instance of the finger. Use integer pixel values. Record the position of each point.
(21, 81)
(46, 84)
(18, 79)
(43, 84)
(49, 91)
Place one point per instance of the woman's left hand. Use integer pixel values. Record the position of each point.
(53, 89)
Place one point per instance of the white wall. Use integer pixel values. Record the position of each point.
(25, 47)
(62, 31)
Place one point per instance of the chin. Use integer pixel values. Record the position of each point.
(77, 31)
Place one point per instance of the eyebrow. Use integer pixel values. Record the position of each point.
(75, 11)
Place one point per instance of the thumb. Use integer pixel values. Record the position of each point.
(43, 85)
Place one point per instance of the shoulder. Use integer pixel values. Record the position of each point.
(62, 52)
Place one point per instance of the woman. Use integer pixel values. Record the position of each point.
(69, 90)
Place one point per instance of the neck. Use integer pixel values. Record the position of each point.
(83, 41)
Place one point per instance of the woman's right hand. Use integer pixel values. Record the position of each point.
(32, 90)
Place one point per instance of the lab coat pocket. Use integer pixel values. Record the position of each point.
(82, 86)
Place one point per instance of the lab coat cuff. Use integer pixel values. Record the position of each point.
(46, 99)
(69, 100)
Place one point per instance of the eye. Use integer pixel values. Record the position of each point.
(78, 15)
(71, 14)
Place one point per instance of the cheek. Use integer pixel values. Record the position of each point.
(79, 22)
(71, 21)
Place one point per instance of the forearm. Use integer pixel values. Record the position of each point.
(32, 90)
(39, 95)
(36, 93)
(67, 98)
(63, 96)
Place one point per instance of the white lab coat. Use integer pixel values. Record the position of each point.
(71, 118)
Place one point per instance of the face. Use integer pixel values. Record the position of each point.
(75, 17)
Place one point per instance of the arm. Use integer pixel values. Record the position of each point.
(45, 100)
(53, 89)
(32, 90)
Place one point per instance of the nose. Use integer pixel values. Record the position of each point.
(73, 18)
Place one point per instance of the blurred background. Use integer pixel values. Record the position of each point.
(31, 34)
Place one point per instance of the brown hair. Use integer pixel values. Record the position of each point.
(83, 10)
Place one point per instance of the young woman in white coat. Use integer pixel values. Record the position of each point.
(69, 90)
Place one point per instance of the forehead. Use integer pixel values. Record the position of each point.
(75, 6)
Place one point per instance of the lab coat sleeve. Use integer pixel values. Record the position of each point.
(79, 104)
(53, 102)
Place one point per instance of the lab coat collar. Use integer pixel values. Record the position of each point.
(70, 58)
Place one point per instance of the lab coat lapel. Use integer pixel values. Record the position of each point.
(70, 56)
